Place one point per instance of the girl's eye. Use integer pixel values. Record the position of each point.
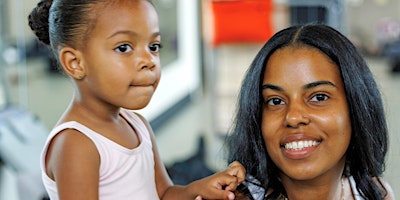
(319, 97)
(123, 48)
(155, 47)
(275, 101)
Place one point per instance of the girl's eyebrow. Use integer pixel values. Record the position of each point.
(305, 87)
(123, 32)
(131, 33)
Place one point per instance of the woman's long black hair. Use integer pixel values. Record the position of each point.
(365, 156)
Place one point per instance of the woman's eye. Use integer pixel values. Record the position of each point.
(275, 101)
(319, 97)
(155, 47)
(123, 48)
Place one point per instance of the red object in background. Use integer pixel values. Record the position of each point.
(242, 21)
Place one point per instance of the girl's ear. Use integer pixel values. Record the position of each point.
(71, 61)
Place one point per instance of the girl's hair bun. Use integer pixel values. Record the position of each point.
(39, 20)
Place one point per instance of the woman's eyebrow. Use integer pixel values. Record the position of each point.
(318, 83)
(305, 87)
(272, 87)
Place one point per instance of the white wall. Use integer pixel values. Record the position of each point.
(182, 76)
(363, 19)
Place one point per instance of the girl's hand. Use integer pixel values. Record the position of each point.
(220, 185)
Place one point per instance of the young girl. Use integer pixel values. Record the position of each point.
(99, 149)
(310, 122)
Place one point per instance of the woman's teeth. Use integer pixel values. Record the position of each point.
(299, 145)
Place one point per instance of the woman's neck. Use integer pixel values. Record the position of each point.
(331, 189)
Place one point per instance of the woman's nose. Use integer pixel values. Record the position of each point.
(297, 115)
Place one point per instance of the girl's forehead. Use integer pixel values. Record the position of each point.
(104, 6)
(129, 15)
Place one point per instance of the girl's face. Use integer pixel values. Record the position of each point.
(305, 121)
(121, 55)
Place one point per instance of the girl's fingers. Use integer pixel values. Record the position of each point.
(236, 169)
(228, 182)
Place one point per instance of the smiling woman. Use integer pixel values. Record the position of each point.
(310, 122)
(310, 105)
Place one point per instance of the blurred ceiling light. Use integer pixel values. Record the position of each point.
(381, 2)
(355, 3)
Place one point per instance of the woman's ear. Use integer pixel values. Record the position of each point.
(71, 61)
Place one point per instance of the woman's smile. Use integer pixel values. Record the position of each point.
(299, 149)
(299, 146)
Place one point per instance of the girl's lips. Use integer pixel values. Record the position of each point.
(149, 85)
(142, 84)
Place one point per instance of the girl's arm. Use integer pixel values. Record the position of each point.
(73, 162)
(216, 186)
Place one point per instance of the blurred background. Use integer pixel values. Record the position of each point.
(208, 46)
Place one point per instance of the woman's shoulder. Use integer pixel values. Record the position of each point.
(385, 187)
(388, 191)
(251, 189)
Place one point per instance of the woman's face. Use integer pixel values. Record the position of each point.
(305, 121)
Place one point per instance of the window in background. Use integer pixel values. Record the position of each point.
(308, 14)
(167, 14)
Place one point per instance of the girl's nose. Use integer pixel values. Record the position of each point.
(147, 60)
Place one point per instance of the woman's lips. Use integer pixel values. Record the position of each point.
(299, 146)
